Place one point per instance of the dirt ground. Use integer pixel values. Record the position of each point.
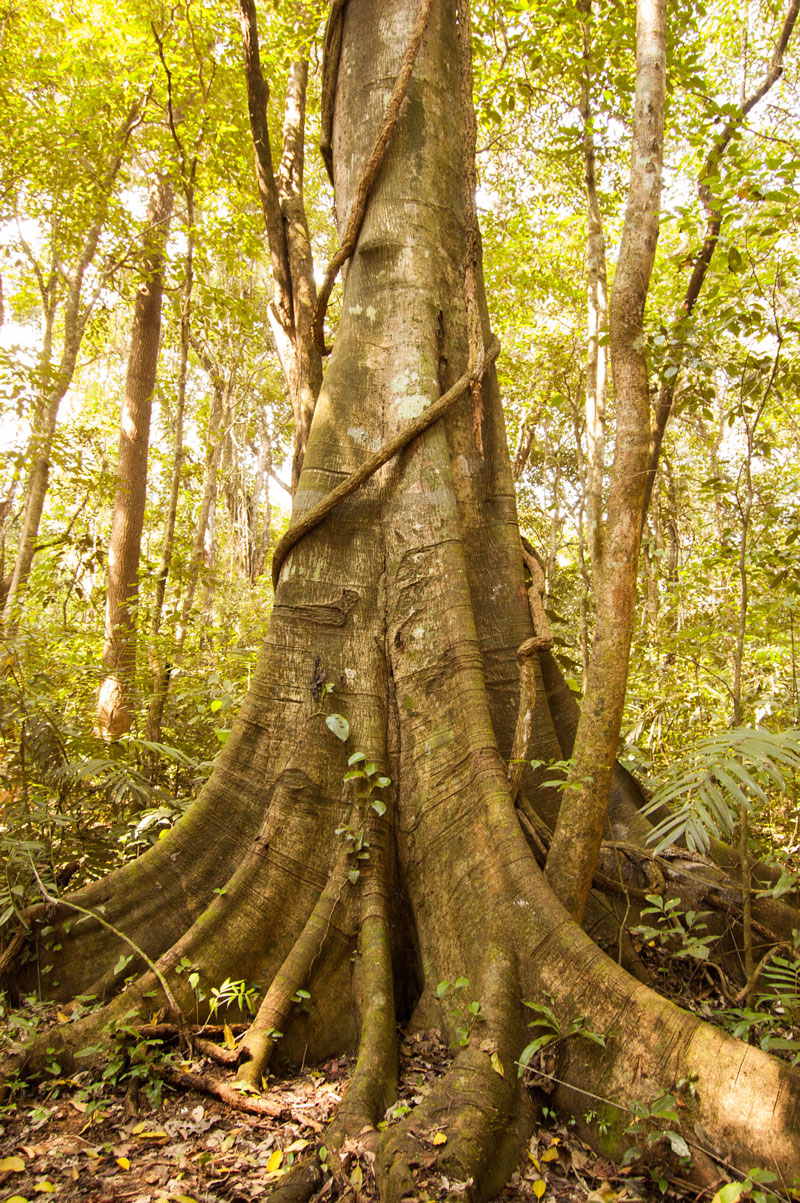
(119, 1146)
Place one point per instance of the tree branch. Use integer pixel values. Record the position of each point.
(257, 100)
(714, 220)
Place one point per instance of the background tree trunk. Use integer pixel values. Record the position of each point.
(597, 314)
(160, 670)
(114, 713)
(582, 818)
(77, 311)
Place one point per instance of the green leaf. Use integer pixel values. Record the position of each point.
(339, 725)
(735, 264)
(730, 1192)
(356, 758)
(678, 1144)
(531, 1049)
(379, 806)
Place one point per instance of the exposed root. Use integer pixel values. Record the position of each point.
(198, 1029)
(200, 1045)
(527, 703)
(374, 1081)
(256, 1046)
(298, 1184)
(484, 1119)
(12, 950)
(214, 1052)
(478, 1107)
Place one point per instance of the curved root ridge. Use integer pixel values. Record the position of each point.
(482, 1116)
(292, 976)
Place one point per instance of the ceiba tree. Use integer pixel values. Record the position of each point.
(399, 618)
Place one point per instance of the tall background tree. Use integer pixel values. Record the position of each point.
(125, 540)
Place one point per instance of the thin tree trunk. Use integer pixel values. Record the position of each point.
(597, 317)
(76, 316)
(160, 670)
(714, 219)
(306, 372)
(262, 537)
(294, 307)
(582, 816)
(114, 711)
(208, 499)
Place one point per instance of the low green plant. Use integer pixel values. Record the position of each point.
(602, 1125)
(550, 1030)
(655, 1132)
(707, 788)
(366, 782)
(464, 1014)
(683, 933)
(750, 1186)
(773, 1021)
(232, 993)
(781, 988)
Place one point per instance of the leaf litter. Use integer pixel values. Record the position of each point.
(195, 1149)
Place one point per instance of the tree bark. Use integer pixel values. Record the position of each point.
(409, 600)
(295, 303)
(114, 711)
(582, 818)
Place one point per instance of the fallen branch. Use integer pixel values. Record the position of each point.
(191, 1080)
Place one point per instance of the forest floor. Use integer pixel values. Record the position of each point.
(74, 1140)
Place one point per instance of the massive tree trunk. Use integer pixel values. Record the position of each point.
(119, 653)
(409, 600)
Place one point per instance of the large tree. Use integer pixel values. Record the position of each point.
(363, 836)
